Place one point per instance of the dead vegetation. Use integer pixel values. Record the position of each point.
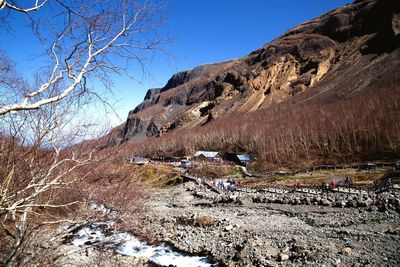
(361, 127)
(155, 175)
(213, 172)
(197, 219)
(48, 178)
(60, 191)
(318, 177)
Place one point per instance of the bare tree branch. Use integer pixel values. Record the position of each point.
(16, 7)
(84, 41)
(93, 39)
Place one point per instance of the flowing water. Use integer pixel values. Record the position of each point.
(128, 245)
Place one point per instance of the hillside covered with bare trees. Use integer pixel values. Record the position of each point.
(326, 90)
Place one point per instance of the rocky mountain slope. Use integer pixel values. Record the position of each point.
(340, 54)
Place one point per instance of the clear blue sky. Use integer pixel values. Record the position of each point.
(205, 31)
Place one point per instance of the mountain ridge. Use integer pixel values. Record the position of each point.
(322, 54)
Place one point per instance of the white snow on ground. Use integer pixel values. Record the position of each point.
(128, 245)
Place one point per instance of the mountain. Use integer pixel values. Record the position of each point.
(348, 52)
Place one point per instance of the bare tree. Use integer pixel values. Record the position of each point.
(15, 6)
(35, 165)
(86, 40)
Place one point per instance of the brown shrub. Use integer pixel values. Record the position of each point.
(204, 220)
(197, 219)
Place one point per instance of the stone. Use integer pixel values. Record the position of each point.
(239, 201)
(373, 209)
(271, 263)
(346, 251)
(257, 199)
(326, 202)
(363, 203)
(339, 204)
(283, 257)
(272, 252)
(299, 243)
(229, 228)
(351, 203)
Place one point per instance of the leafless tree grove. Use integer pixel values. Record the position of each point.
(359, 128)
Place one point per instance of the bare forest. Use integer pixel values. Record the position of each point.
(362, 127)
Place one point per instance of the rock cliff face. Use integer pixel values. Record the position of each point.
(331, 56)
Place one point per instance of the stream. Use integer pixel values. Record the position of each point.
(126, 244)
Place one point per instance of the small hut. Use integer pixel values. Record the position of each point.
(207, 156)
(239, 158)
(140, 160)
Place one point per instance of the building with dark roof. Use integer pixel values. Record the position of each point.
(238, 158)
(207, 155)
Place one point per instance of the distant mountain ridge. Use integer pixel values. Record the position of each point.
(333, 56)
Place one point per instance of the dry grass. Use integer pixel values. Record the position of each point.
(319, 177)
(214, 172)
(157, 176)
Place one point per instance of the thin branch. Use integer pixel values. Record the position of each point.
(36, 7)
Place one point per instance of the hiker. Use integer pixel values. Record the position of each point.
(232, 184)
(333, 184)
(298, 184)
(389, 183)
(221, 185)
(231, 181)
(215, 184)
(229, 186)
(324, 187)
(347, 181)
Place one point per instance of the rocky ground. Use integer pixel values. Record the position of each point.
(269, 229)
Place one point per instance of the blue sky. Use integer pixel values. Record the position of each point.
(202, 31)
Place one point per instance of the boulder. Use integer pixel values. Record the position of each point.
(229, 228)
(365, 202)
(339, 204)
(258, 199)
(272, 252)
(346, 251)
(325, 202)
(283, 257)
